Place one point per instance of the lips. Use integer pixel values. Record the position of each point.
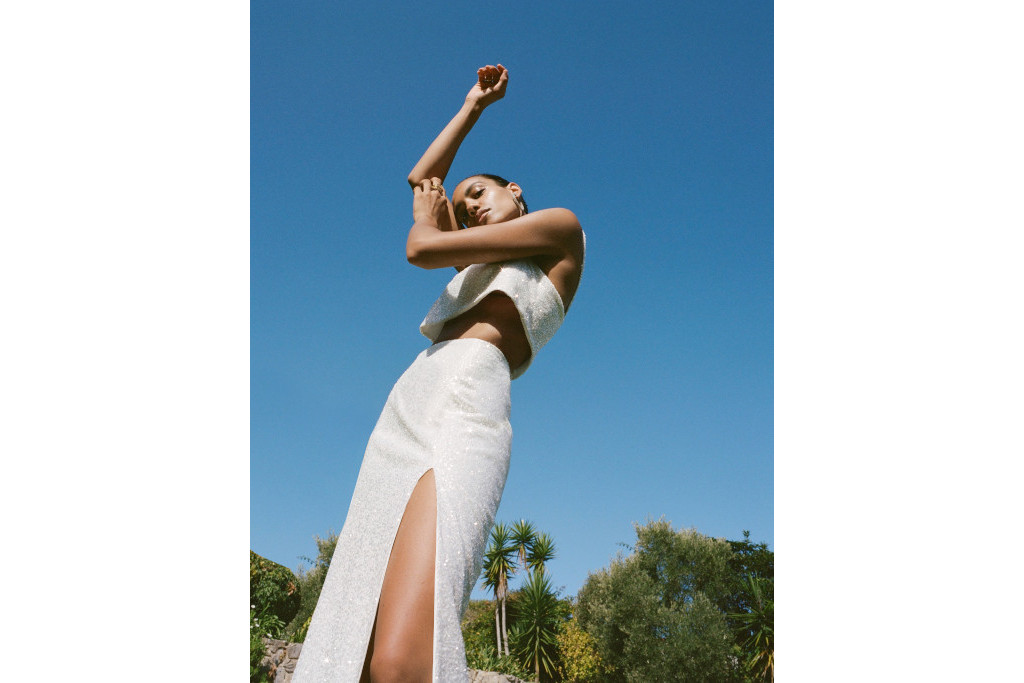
(481, 215)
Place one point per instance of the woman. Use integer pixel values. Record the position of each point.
(435, 466)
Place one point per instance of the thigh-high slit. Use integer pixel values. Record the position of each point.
(449, 413)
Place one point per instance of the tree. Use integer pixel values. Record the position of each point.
(653, 613)
(499, 566)
(748, 560)
(537, 623)
(749, 605)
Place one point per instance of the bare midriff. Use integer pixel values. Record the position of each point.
(496, 320)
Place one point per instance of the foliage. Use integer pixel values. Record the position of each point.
(311, 582)
(748, 560)
(579, 660)
(274, 598)
(485, 659)
(536, 627)
(523, 534)
(478, 633)
(478, 625)
(749, 605)
(652, 614)
(274, 591)
(757, 628)
(257, 649)
(541, 551)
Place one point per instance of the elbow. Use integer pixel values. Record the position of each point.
(417, 254)
(413, 254)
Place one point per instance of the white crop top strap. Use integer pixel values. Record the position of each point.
(539, 304)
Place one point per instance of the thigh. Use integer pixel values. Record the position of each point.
(405, 613)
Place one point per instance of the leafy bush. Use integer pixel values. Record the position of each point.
(485, 659)
(579, 660)
(274, 591)
(310, 583)
(257, 649)
(478, 629)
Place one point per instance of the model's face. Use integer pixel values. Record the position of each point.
(481, 201)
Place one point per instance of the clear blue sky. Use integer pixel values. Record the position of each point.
(653, 122)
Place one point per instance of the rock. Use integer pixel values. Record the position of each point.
(476, 676)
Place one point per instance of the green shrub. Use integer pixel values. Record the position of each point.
(274, 591)
(478, 629)
(579, 660)
(311, 582)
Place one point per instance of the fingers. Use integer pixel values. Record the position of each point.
(426, 186)
(488, 76)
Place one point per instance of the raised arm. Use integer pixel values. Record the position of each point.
(437, 160)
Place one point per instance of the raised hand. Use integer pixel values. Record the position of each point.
(490, 85)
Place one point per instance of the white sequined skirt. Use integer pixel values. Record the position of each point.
(448, 412)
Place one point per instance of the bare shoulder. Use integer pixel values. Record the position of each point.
(557, 217)
(565, 268)
(565, 225)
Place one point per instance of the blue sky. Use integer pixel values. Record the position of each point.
(653, 122)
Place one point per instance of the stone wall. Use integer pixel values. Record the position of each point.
(282, 657)
(280, 660)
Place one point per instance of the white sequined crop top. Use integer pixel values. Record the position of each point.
(539, 304)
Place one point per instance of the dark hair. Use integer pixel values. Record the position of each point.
(503, 183)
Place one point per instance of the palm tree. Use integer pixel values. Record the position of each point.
(536, 629)
(523, 537)
(499, 567)
(542, 550)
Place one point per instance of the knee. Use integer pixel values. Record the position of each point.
(396, 666)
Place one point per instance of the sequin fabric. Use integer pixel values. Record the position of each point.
(448, 412)
(539, 304)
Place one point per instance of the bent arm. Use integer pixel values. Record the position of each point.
(548, 232)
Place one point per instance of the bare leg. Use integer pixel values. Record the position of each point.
(402, 643)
